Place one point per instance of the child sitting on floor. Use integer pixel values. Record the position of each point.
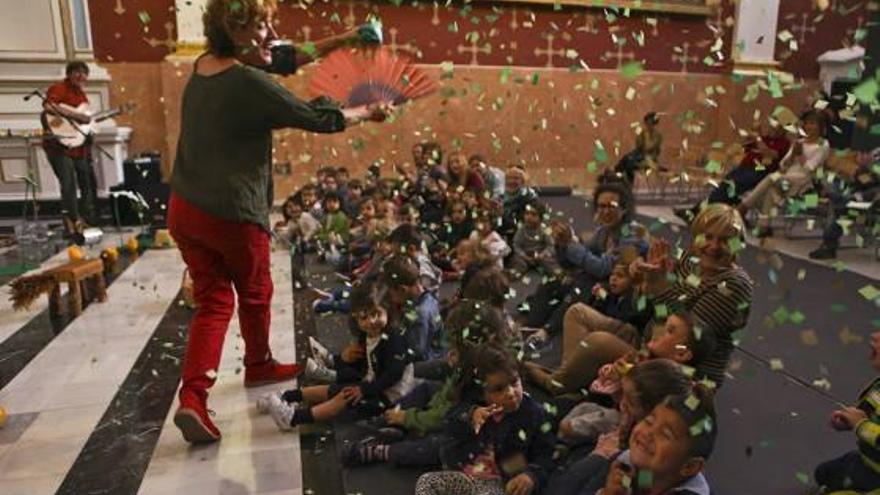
(299, 227)
(370, 375)
(487, 236)
(415, 308)
(471, 324)
(857, 470)
(668, 449)
(449, 235)
(407, 239)
(532, 244)
(636, 390)
(502, 443)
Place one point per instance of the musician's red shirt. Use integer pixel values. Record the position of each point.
(779, 144)
(67, 93)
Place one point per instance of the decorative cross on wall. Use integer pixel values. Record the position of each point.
(435, 19)
(549, 52)
(717, 24)
(350, 18)
(684, 58)
(589, 26)
(168, 42)
(408, 47)
(514, 24)
(119, 9)
(474, 49)
(802, 29)
(655, 27)
(620, 55)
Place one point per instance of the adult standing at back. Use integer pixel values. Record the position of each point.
(222, 193)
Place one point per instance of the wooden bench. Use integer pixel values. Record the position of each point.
(74, 274)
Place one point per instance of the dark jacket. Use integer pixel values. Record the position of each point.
(522, 441)
(389, 359)
(624, 307)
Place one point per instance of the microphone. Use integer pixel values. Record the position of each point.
(30, 95)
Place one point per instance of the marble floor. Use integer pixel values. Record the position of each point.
(71, 389)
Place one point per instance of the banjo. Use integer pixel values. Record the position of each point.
(71, 133)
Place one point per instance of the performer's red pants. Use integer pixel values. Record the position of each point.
(220, 255)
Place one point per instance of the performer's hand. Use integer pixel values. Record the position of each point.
(379, 112)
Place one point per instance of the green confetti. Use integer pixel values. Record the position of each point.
(713, 167)
(600, 155)
(802, 477)
(661, 311)
(811, 200)
(309, 49)
(797, 317)
(646, 478)
(867, 91)
(144, 16)
(692, 402)
(781, 315)
(735, 245)
(631, 70)
(869, 292)
(522, 435)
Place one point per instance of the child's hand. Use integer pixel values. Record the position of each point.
(352, 394)
(354, 352)
(608, 444)
(520, 484)
(847, 418)
(614, 483)
(538, 338)
(482, 414)
(395, 416)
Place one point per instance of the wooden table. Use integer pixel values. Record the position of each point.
(74, 274)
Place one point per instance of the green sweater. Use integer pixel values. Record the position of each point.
(431, 418)
(335, 223)
(224, 154)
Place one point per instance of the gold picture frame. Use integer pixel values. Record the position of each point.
(687, 7)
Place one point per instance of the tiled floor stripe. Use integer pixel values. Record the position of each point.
(253, 456)
(66, 389)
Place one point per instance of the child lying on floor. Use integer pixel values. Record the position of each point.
(370, 375)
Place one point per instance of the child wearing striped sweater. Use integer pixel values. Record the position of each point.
(857, 470)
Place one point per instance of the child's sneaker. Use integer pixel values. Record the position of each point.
(321, 354)
(318, 373)
(281, 412)
(265, 401)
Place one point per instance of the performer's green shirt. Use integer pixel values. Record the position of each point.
(224, 155)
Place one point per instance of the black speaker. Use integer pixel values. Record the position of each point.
(143, 179)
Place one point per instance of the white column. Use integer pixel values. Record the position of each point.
(189, 24)
(755, 35)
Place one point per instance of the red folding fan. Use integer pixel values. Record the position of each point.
(361, 77)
